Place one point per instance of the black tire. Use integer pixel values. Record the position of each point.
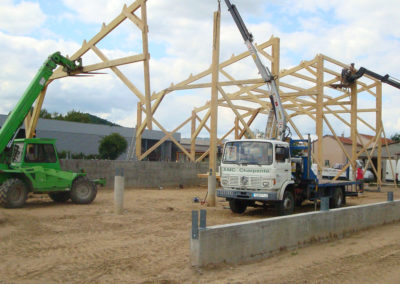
(238, 206)
(60, 197)
(337, 199)
(13, 193)
(83, 191)
(286, 206)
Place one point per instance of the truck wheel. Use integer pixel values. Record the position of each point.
(286, 206)
(337, 199)
(83, 191)
(238, 206)
(60, 197)
(13, 193)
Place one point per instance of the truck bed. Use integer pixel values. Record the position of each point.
(349, 188)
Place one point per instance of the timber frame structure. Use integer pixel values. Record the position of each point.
(305, 92)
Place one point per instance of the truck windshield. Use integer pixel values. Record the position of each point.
(17, 152)
(248, 152)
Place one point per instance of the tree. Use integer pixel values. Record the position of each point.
(111, 146)
(395, 137)
(45, 114)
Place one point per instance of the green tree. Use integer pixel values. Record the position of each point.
(77, 116)
(111, 146)
(45, 114)
(395, 137)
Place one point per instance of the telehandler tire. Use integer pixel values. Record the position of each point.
(13, 193)
(60, 197)
(83, 191)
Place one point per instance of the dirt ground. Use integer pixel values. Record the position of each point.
(45, 242)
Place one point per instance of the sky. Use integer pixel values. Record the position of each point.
(180, 43)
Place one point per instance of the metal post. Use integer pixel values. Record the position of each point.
(203, 219)
(195, 224)
(390, 196)
(119, 186)
(325, 203)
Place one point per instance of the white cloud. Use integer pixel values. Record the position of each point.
(361, 31)
(94, 11)
(21, 18)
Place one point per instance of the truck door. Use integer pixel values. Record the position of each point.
(282, 164)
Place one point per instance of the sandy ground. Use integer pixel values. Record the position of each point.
(47, 242)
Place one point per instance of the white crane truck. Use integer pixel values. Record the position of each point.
(259, 172)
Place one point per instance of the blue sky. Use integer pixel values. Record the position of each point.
(361, 31)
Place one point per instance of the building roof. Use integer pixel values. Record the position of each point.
(93, 129)
(344, 140)
(388, 141)
(348, 141)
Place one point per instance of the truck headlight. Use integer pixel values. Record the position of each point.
(224, 182)
(265, 183)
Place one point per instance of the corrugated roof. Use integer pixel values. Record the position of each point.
(94, 129)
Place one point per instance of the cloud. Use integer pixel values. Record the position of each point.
(364, 32)
(21, 18)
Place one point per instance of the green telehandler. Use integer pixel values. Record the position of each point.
(31, 164)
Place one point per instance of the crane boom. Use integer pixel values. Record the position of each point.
(385, 79)
(263, 70)
(20, 111)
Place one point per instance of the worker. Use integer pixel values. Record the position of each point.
(352, 69)
(346, 78)
(360, 178)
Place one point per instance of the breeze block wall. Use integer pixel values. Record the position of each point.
(142, 173)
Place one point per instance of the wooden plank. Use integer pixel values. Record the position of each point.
(120, 75)
(319, 112)
(105, 30)
(236, 112)
(146, 66)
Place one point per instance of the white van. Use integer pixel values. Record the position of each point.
(388, 172)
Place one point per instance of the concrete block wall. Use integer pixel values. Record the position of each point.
(253, 240)
(142, 174)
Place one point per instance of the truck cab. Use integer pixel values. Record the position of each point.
(255, 170)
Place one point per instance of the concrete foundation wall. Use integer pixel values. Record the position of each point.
(247, 241)
(142, 174)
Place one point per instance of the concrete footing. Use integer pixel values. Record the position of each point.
(247, 241)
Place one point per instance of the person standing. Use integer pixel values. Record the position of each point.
(360, 177)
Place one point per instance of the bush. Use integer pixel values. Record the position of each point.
(111, 146)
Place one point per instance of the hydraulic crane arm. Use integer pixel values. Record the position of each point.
(385, 79)
(263, 70)
(20, 111)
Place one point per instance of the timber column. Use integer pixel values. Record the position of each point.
(146, 68)
(379, 129)
(214, 110)
(319, 115)
(138, 134)
(353, 118)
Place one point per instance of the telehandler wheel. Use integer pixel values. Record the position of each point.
(60, 197)
(286, 206)
(13, 193)
(83, 191)
(238, 206)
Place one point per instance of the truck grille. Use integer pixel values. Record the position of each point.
(246, 181)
